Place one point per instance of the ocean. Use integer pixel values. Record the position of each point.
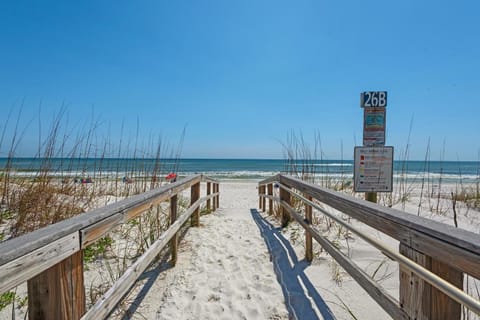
(253, 169)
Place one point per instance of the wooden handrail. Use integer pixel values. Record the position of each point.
(40, 257)
(17, 247)
(208, 179)
(447, 251)
(441, 241)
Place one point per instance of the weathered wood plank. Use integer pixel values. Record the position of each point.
(415, 293)
(210, 196)
(17, 247)
(217, 198)
(214, 202)
(443, 307)
(139, 210)
(194, 196)
(209, 191)
(444, 243)
(27, 266)
(113, 296)
(387, 302)
(308, 236)
(173, 218)
(270, 200)
(58, 292)
(275, 178)
(273, 198)
(264, 200)
(208, 179)
(77, 286)
(285, 197)
(94, 232)
(421, 300)
(260, 197)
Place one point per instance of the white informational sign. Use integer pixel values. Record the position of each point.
(373, 171)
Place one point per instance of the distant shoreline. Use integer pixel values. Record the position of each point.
(231, 169)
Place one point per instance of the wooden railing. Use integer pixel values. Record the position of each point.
(433, 257)
(51, 259)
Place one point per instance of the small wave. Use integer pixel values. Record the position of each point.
(232, 174)
(333, 164)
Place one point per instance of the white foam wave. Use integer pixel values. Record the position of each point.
(332, 164)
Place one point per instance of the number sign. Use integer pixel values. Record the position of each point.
(373, 99)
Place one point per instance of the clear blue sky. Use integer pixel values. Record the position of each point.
(241, 74)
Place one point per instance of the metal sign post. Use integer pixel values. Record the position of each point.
(373, 171)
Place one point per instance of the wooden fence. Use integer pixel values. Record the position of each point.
(51, 259)
(433, 257)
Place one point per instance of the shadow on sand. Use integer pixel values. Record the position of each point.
(300, 295)
(151, 275)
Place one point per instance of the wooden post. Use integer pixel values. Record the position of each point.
(58, 292)
(308, 236)
(260, 202)
(371, 196)
(419, 299)
(194, 196)
(285, 196)
(173, 218)
(214, 203)
(208, 193)
(217, 198)
(270, 201)
(264, 200)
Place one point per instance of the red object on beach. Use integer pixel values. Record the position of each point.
(171, 176)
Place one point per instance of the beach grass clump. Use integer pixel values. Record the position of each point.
(300, 161)
(308, 162)
(336, 273)
(468, 195)
(41, 204)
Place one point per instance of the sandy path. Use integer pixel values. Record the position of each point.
(224, 269)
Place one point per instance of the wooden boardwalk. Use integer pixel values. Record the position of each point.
(224, 266)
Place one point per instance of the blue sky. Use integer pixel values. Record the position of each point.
(240, 75)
